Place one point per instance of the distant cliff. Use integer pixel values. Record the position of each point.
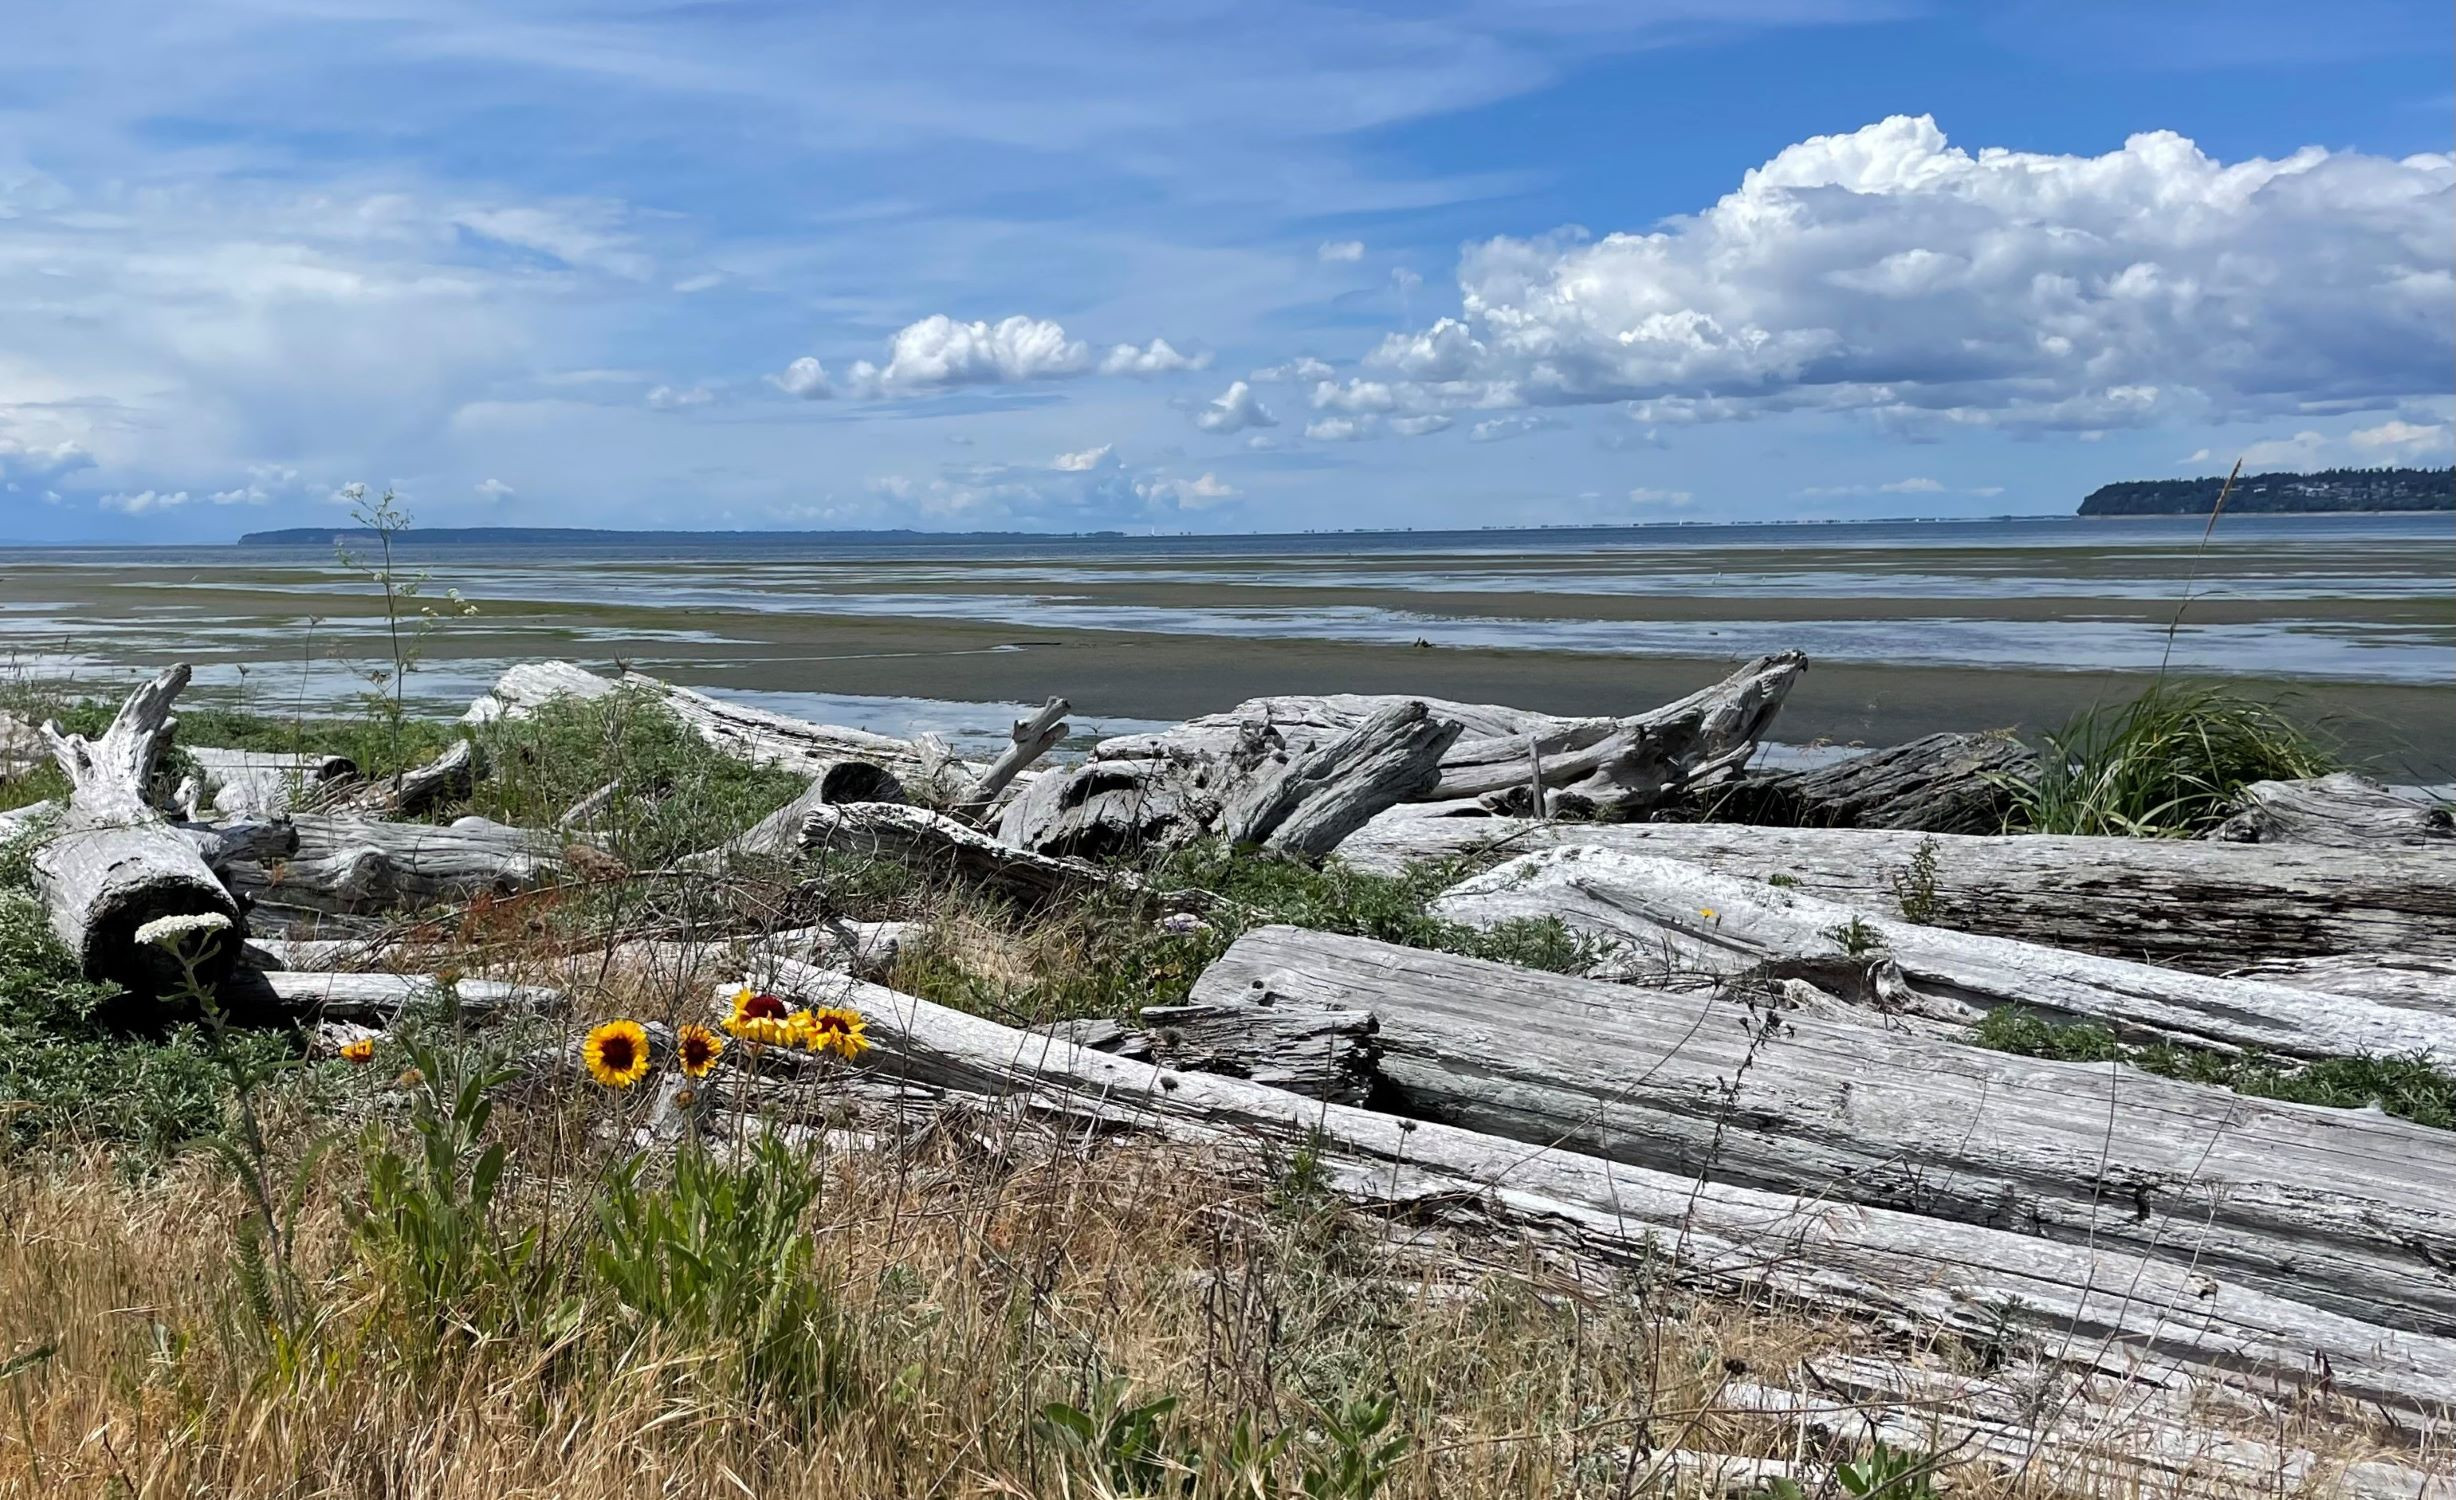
(2275, 494)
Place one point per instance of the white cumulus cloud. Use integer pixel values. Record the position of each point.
(493, 489)
(806, 378)
(1341, 252)
(1890, 272)
(1234, 410)
(1083, 462)
(1302, 368)
(678, 397)
(1156, 358)
(938, 352)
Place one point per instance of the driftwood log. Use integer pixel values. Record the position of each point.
(2343, 811)
(1622, 768)
(2427, 984)
(450, 777)
(2346, 1209)
(2187, 904)
(258, 783)
(377, 998)
(1214, 773)
(752, 734)
(1656, 912)
(1942, 783)
(779, 834)
(113, 863)
(933, 844)
(1111, 807)
(357, 865)
(2097, 1305)
(1303, 802)
(1029, 740)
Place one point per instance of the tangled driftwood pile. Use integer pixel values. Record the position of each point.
(1762, 1086)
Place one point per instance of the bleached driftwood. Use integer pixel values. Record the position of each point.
(1321, 1051)
(1626, 767)
(1941, 783)
(2167, 1438)
(2185, 903)
(1618, 766)
(1030, 739)
(450, 776)
(346, 865)
(1107, 807)
(934, 844)
(376, 997)
(779, 834)
(528, 686)
(258, 783)
(21, 747)
(2427, 984)
(2343, 811)
(2346, 1209)
(113, 863)
(1651, 909)
(583, 813)
(2102, 1305)
(1303, 802)
(753, 734)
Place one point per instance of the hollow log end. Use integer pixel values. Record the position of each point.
(107, 946)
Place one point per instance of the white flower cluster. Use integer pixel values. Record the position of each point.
(169, 933)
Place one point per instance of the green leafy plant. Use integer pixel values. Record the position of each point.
(430, 1225)
(719, 1255)
(1360, 1450)
(1123, 1443)
(1888, 1473)
(1914, 889)
(1855, 937)
(2169, 764)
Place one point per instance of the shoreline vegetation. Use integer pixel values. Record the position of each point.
(619, 1091)
(2378, 491)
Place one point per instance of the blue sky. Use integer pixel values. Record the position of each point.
(1206, 267)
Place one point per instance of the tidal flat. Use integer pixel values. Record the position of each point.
(1911, 628)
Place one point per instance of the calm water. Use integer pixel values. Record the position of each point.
(2334, 600)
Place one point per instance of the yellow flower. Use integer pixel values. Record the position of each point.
(698, 1049)
(359, 1051)
(751, 1008)
(768, 1031)
(1709, 913)
(836, 1029)
(616, 1053)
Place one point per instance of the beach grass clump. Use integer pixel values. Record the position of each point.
(2411, 1088)
(2170, 763)
(678, 794)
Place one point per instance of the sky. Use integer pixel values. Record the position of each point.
(1206, 266)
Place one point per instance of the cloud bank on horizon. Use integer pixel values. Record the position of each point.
(1301, 268)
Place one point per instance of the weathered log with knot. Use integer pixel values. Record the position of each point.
(113, 863)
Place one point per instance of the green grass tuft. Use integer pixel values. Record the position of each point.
(2407, 1087)
(2168, 764)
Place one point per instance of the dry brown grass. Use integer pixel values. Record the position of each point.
(978, 1281)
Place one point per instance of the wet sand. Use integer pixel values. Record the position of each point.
(2357, 629)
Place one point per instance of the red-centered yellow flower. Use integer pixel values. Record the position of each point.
(836, 1028)
(752, 1007)
(359, 1051)
(697, 1048)
(616, 1053)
